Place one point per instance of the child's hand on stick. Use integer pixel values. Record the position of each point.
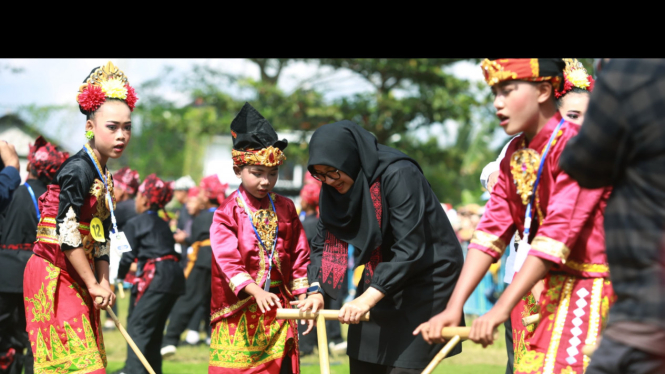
(482, 330)
(263, 298)
(107, 296)
(312, 302)
(431, 330)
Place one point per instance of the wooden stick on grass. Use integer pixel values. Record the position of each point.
(124, 333)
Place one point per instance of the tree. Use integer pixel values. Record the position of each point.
(414, 93)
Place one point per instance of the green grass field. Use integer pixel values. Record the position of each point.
(194, 360)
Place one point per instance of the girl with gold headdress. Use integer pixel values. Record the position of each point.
(573, 97)
(70, 267)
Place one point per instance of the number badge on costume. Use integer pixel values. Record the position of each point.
(97, 230)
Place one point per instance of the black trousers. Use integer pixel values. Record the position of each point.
(13, 336)
(197, 293)
(509, 346)
(616, 358)
(145, 325)
(362, 367)
(201, 315)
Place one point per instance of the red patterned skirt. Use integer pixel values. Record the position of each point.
(62, 322)
(572, 311)
(252, 342)
(522, 335)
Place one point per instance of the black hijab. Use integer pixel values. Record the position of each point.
(351, 216)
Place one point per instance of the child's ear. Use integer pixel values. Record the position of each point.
(545, 91)
(237, 169)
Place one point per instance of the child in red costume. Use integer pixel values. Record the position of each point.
(566, 235)
(260, 259)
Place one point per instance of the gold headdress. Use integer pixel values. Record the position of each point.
(105, 82)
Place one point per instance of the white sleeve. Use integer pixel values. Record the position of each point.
(494, 165)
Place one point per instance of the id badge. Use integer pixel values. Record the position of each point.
(522, 251)
(119, 242)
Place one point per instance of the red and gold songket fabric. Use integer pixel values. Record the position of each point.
(62, 322)
(567, 229)
(244, 340)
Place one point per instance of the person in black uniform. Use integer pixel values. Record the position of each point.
(181, 194)
(198, 270)
(309, 202)
(377, 199)
(19, 232)
(126, 183)
(159, 280)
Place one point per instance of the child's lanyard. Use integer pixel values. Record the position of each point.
(34, 200)
(101, 176)
(527, 218)
(266, 287)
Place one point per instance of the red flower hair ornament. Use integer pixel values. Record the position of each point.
(574, 76)
(105, 82)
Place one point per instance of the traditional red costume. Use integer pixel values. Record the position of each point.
(567, 229)
(62, 321)
(243, 339)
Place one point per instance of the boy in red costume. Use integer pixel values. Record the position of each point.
(260, 259)
(566, 234)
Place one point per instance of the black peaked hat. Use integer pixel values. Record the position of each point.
(251, 131)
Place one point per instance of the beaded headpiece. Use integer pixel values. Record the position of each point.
(105, 82)
(574, 75)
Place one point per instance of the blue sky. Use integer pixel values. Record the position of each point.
(56, 81)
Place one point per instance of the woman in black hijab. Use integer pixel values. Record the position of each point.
(377, 199)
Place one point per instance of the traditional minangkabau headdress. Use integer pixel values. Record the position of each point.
(574, 75)
(255, 141)
(105, 82)
(127, 179)
(45, 158)
(214, 188)
(157, 191)
(527, 69)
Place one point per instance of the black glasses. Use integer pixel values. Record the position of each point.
(334, 175)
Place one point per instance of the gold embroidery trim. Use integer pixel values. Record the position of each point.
(591, 268)
(524, 165)
(594, 316)
(238, 279)
(559, 323)
(490, 241)
(48, 234)
(495, 73)
(535, 69)
(299, 283)
(230, 308)
(550, 247)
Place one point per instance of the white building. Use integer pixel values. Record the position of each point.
(15, 131)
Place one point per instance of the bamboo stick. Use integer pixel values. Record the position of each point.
(324, 362)
(530, 320)
(588, 350)
(124, 333)
(442, 354)
(329, 314)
